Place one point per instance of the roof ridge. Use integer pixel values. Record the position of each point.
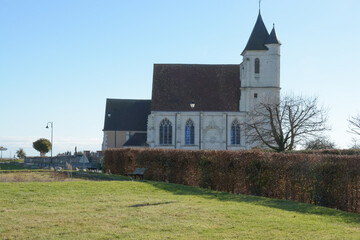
(196, 64)
(121, 99)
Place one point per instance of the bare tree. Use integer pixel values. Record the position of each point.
(354, 125)
(355, 144)
(280, 125)
(319, 143)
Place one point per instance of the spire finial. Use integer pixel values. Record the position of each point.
(259, 5)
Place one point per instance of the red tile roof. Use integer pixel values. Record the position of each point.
(211, 87)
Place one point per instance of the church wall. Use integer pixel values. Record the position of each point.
(254, 96)
(263, 86)
(241, 117)
(104, 143)
(153, 135)
(273, 63)
(109, 139)
(269, 75)
(183, 117)
(212, 130)
(121, 138)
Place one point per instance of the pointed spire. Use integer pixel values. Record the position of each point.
(273, 39)
(258, 36)
(259, 5)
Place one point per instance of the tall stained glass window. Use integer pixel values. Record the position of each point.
(189, 132)
(235, 132)
(165, 132)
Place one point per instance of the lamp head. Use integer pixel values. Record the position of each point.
(192, 104)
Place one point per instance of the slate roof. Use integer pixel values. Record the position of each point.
(136, 140)
(211, 87)
(258, 37)
(273, 39)
(126, 115)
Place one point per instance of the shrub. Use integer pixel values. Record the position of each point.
(321, 179)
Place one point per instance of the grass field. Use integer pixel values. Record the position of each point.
(152, 210)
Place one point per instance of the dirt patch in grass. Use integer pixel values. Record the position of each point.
(34, 177)
(52, 176)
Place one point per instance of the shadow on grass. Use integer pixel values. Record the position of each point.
(286, 205)
(97, 176)
(150, 204)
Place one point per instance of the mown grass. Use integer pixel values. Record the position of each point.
(153, 210)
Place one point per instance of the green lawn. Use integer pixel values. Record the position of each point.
(151, 210)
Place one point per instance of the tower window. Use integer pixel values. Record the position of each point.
(235, 132)
(257, 65)
(255, 95)
(165, 132)
(189, 132)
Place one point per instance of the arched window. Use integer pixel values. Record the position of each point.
(189, 132)
(257, 65)
(165, 132)
(235, 132)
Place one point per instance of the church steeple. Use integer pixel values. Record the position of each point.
(260, 68)
(273, 38)
(258, 37)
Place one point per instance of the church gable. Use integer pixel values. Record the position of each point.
(211, 87)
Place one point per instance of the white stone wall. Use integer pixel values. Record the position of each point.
(212, 130)
(266, 84)
(269, 75)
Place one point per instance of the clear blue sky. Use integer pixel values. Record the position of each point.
(60, 60)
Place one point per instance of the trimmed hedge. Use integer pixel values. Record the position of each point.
(330, 151)
(326, 180)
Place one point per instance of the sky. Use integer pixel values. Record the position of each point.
(61, 59)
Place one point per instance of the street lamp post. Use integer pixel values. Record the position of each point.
(1, 150)
(52, 143)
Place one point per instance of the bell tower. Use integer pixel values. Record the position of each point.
(260, 68)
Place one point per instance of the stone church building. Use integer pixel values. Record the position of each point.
(198, 106)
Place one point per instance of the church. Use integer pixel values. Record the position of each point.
(199, 106)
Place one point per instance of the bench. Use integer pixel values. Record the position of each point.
(139, 172)
(92, 169)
